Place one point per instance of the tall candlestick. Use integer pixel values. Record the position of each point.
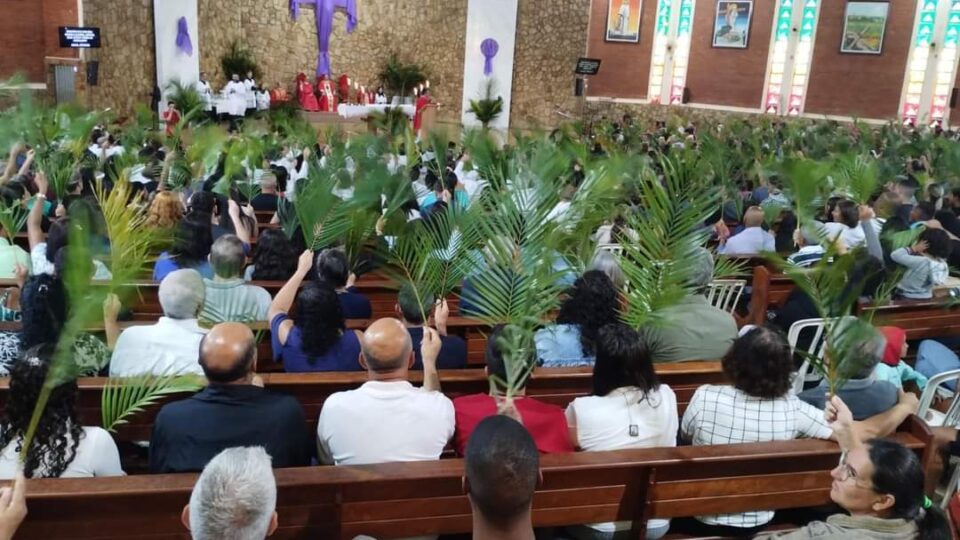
(428, 83)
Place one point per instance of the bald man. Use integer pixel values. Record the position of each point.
(388, 419)
(233, 410)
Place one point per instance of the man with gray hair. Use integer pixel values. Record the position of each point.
(228, 297)
(692, 329)
(171, 345)
(235, 497)
(862, 347)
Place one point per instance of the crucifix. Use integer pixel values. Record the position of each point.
(324, 15)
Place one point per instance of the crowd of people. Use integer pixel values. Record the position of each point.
(234, 430)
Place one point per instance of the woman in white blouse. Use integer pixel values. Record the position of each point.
(628, 408)
(61, 448)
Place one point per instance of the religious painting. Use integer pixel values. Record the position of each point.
(623, 20)
(731, 28)
(863, 27)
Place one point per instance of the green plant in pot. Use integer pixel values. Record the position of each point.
(400, 78)
(489, 106)
(239, 60)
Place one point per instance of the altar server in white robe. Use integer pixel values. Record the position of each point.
(263, 100)
(235, 92)
(206, 93)
(250, 85)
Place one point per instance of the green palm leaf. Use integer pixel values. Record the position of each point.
(122, 398)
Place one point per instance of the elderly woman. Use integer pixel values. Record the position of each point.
(880, 484)
(758, 407)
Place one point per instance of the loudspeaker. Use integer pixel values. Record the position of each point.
(686, 95)
(578, 87)
(953, 98)
(93, 72)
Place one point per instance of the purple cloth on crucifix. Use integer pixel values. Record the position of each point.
(324, 14)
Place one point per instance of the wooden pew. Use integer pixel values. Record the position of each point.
(553, 385)
(770, 291)
(402, 500)
(381, 292)
(922, 319)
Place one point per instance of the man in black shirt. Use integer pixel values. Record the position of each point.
(266, 201)
(234, 410)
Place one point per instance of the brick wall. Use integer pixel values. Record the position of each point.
(625, 70)
(859, 85)
(29, 30)
(22, 42)
(730, 77)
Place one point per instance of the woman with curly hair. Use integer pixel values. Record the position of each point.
(165, 211)
(191, 247)
(758, 407)
(61, 447)
(318, 340)
(274, 258)
(43, 304)
(591, 304)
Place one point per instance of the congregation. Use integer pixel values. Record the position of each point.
(551, 250)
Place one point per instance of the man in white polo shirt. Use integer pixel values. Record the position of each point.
(388, 419)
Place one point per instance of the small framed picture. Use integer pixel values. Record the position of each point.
(864, 26)
(731, 27)
(623, 20)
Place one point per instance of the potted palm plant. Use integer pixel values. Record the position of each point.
(400, 78)
(488, 106)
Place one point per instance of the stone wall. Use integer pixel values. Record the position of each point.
(127, 66)
(551, 35)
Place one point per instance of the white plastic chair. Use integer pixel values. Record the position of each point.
(616, 249)
(725, 293)
(936, 386)
(817, 346)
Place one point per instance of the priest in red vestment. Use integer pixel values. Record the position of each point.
(328, 101)
(422, 102)
(279, 94)
(308, 101)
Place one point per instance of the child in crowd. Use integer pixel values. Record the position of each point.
(926, 264)
(893, 369)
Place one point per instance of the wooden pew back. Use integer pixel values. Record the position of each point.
(395, 501)
(554, 385)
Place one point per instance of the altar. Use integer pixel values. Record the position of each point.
(350, 110)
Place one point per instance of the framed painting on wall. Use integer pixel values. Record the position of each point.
(623, 20)
(731, 28)
(863, 27)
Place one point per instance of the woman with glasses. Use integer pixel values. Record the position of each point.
(880, 484)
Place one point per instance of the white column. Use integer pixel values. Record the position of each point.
(172, 64)
(497, 20)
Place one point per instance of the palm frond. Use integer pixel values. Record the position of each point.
(123, 398)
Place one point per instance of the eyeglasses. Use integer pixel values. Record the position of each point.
(847, 472)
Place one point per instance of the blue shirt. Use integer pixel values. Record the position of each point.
(343, 355)
(559, 346)
(865, 397)
(453, 350)
(166, 264)
(355, 305)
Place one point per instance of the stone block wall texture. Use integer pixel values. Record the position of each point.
(551, 36)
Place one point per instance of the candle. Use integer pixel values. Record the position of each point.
(415, 92)
(428, 83)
